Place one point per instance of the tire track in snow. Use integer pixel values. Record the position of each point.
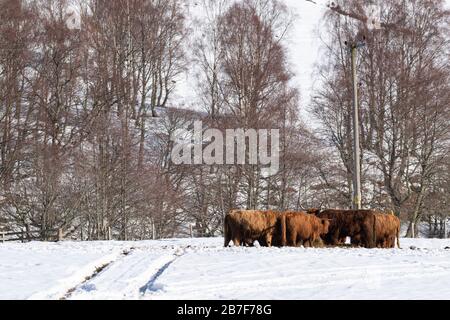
(151, 287)
(124, 279)
(97, 271)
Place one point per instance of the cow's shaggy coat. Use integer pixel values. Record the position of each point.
(387, 228)
(243, 227)
(299, 228)
(356, 224)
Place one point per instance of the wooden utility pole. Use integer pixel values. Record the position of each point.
(371, 23)
(356, 199)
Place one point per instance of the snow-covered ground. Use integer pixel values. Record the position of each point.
(203, 269)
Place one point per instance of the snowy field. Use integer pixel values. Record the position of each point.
(203, 269)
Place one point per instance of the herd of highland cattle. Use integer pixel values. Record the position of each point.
(365, 228)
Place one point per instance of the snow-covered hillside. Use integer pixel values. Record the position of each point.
(203, 269)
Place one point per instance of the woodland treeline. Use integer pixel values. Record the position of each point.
(86, 114)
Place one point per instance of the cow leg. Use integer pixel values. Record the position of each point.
(355, 241)
(313, 240)
(269, 240)
(385, 242)
(329, 240)
(335, 240)
(368, 243)
(227, 240)
(380, 242)
(236, 242)
(227, 231)
(293, 241)
(391, 242)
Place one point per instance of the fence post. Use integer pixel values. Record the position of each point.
(60, 234)
(153, 231)
(191, 231)
(109, 233)
(2, 236)
(27, 230)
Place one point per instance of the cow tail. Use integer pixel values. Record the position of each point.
(283, 230)
(226, 231)
(374, 231)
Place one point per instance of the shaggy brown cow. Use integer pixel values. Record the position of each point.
(356, 224)
(387, 230)
(300, 228)
(243, 227)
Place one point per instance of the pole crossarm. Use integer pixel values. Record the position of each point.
(333, 6)
(364, 19)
